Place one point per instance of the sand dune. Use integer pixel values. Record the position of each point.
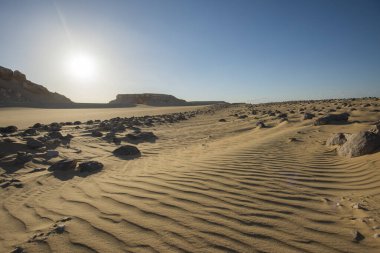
(202, 186)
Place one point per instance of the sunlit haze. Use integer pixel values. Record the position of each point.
(248, 51)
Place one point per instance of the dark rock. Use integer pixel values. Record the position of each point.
(36, 170)
(30, 132)
(222, 120)
(242, 116)
(34, 144)
(63, 165)
(18, 249)
(127, 151)
(116, 140)
(55, 135)
(142, 136)
(90, 166)
(357, 236)
(52, 153)
(23, 157)
(37, 125)
(96, 133)
(8, 129)
(53, 143)
(77, 122)
(336, 139)
(332, 118)
(359, 144)
(260, 124)
(308, 116)
(60, 228)
(55, 126)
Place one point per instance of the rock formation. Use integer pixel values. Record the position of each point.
(148, 99)
(16, 89)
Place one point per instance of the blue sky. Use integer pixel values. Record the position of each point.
(237, 51)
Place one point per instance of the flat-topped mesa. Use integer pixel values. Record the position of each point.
(16, 89)
(148, 99)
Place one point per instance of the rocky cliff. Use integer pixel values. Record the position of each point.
(148, 99)
(16, 89)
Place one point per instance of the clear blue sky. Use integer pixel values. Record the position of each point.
(254, 50)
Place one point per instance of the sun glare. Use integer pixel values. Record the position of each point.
(81, 66)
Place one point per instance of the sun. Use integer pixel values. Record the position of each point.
(81, 66)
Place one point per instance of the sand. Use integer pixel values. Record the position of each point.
(26, 117)
(202, 186)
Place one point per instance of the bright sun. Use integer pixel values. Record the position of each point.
(81, 66)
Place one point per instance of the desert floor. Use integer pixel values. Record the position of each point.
(201, 186)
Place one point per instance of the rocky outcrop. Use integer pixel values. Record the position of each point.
(16, 89)
(148, 99)
(154, 99)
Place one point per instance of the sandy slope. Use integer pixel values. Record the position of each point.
(205, 186)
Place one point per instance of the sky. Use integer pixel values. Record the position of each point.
(235, 50)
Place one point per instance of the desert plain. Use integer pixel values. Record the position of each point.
(274, 177)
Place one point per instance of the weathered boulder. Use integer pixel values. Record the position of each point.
(63, 165)
(127, 151)
(358, 144)
(90, 166)
(34, 144)
(336, 139)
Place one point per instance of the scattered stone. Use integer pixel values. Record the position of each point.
(55, 135)
(292, 139)
(376, 235)
(52, 153)
(77, 122)
(336, 139)
(34, 144)
(30, 132)
(308, 116)
(37, 125)
(63, 165)
(60, 228)
(242, 116)
(18, 249)
(23, 157)
(64, 219)
(142, 136)
(332, 118)
(90, 166)
(357, 236)
(222, 120)
(359, 144)
(260, 124)
(127, 150)
(8, 129)
(55, 126)
(96, 133)
(37, 170)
